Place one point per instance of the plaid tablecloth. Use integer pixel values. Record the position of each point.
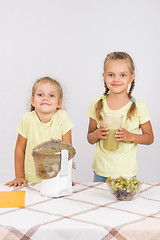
(90, 213)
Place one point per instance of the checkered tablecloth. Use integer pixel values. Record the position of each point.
(91, 213)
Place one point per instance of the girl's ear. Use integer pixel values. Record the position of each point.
(59, 103)
(32, 101)
(132, 77)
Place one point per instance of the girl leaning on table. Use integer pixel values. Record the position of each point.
(118, 75)
(46, 120)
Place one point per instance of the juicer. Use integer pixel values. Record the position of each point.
(53, 162)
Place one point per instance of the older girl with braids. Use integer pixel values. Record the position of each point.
(118, 75)
(46, 120)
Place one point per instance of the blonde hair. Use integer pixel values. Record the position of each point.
(48, 79)
(117, 56)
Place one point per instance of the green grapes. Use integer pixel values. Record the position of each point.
(124, 189)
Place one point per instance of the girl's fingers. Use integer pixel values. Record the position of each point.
(103, 128)
(119, 135)
(25, 183)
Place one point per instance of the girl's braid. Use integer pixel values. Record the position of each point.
(131, 88)
(99, 104)
(106, 89)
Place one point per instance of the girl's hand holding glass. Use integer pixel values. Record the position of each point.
(101, 132)
(123, 135)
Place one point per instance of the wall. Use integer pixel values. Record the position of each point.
(68, 40)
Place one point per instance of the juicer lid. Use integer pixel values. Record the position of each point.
(52, 147)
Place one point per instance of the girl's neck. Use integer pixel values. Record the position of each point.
(44, 118)
(116, 101)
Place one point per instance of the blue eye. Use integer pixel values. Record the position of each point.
(51, 95)
(40, 94)
(110, 75)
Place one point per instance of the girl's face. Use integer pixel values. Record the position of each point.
(46, 99)
(118, 76)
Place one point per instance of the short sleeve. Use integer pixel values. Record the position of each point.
(22, 128)
(144, 115)
(91, 109)
(66, 123)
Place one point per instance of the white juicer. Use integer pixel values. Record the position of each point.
(53, 163)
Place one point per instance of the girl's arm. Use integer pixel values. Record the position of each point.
(147, 136)
(67, 137)
(19, 163)
(94, 133)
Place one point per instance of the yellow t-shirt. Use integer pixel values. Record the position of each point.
(121, 162)
(36, 132)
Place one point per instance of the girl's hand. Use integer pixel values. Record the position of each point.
(94, 133)
(123, 135)
(17, 182)
(101, 132)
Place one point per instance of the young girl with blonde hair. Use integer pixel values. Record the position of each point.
(46, 120)
(118, 75)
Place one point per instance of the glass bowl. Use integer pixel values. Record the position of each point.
(124, 189)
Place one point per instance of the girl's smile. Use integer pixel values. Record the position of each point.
(116, 85)
(45, 103)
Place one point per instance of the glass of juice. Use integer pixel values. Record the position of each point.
(113, 121)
